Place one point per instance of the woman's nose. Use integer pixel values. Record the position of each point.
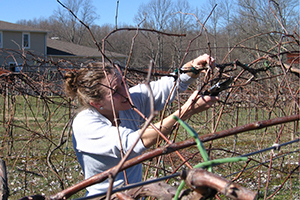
(123, 92)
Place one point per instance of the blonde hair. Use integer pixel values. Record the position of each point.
(86, 83)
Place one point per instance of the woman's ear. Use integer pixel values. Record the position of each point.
(96, 105)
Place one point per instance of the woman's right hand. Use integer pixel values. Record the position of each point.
(197, 103)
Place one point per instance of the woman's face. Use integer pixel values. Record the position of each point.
(117, 89)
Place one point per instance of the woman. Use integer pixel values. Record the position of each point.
(95, 132)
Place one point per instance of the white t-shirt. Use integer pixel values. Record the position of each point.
(96, 141)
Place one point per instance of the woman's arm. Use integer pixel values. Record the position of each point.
(195, 104)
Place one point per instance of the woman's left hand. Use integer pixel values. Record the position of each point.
(201, 63)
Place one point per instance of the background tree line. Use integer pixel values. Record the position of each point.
(230, 22)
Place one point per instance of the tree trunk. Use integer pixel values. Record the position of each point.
(3, 181)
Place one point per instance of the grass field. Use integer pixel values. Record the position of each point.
(37, 148)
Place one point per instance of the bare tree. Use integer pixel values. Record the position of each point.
(213, 23)
(181, 22)
(155, 15)
(261, 16)
(68, 28)
(227, 17)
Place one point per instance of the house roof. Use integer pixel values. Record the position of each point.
(7, 26)
(60, 48)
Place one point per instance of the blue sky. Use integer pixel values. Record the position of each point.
(14, 10)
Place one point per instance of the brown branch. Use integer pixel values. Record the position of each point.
(206, 183)
(202, 184)
(142, 29)
(291, 68)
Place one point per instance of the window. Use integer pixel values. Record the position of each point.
(26, 40)
(15, 67)
(1, 40)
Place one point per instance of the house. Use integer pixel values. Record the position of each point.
(57, 50)
(16, 40)
(293, 58)
(24, 46)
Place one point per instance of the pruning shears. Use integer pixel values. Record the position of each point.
(219, 87)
